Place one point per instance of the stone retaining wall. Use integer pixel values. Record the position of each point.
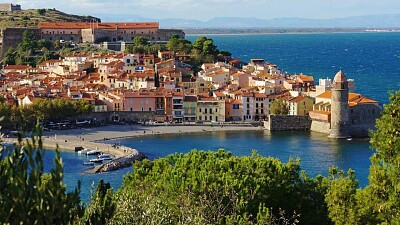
(286, 123)
(321, 127)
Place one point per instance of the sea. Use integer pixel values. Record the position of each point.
(371, 59)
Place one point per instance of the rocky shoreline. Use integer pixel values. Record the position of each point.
(119, 163)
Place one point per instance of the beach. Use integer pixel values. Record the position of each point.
(94, 138)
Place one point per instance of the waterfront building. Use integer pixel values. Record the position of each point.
(299, 105)
(210, 109)
(139, 101)
(177, 106)
(190, 108)
(342, 114)
(100, 106)
(233, 109)
(114, 101)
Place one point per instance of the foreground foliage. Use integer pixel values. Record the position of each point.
(28, 195)
(218, 188)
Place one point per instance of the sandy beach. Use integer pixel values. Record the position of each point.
(92, 138)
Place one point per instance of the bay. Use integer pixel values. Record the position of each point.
(372, 59)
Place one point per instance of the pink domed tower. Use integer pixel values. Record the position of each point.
(340, 111)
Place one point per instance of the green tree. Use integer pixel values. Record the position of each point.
(225, 53)
(28, 42)
(217, 188)
(341, 197)
(278, 107)
(10, 57)
(27, 194)
(199, 43)
(209, 47)
(140, 41)
(129, 49)
(384, 174)
(41, 11)
(101, 206)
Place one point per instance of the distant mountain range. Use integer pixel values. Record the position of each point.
(370, 21)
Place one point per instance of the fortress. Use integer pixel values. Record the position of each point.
(89, 32)
(9, 7)
(341, 114)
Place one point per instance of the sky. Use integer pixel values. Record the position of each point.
(208, 9)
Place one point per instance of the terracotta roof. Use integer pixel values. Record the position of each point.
(305, 78)
(354, 98)
(16, 67)
(297, 99)
(88, 25)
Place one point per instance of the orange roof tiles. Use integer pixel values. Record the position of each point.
(16, 67)
(354, 98)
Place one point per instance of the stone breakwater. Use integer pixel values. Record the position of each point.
(119, 163)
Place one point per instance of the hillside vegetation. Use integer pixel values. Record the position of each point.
(31, 17)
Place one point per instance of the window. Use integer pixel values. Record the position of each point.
(131, 109)
(235, 106)
(210, 111)
(142, 109)
(150, 109)
(262, 105)
(216, 118)
(205, 110)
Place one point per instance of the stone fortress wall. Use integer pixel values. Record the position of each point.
(287, 123)
(11, 37)
(9, 7)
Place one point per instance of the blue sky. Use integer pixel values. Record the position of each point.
(208, 9)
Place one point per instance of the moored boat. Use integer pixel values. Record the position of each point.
(104, 157)
(93, 152)
(88, 163)
(84, 151)
(96, 160)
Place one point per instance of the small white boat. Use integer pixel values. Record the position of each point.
(349, 139)
(84, 151)
(88, 163)
(96, 160)
(104, 157)
(93, 152)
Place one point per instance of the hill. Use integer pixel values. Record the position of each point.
(31, 17)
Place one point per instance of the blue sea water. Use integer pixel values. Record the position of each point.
(372, 59)
(316, 152)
